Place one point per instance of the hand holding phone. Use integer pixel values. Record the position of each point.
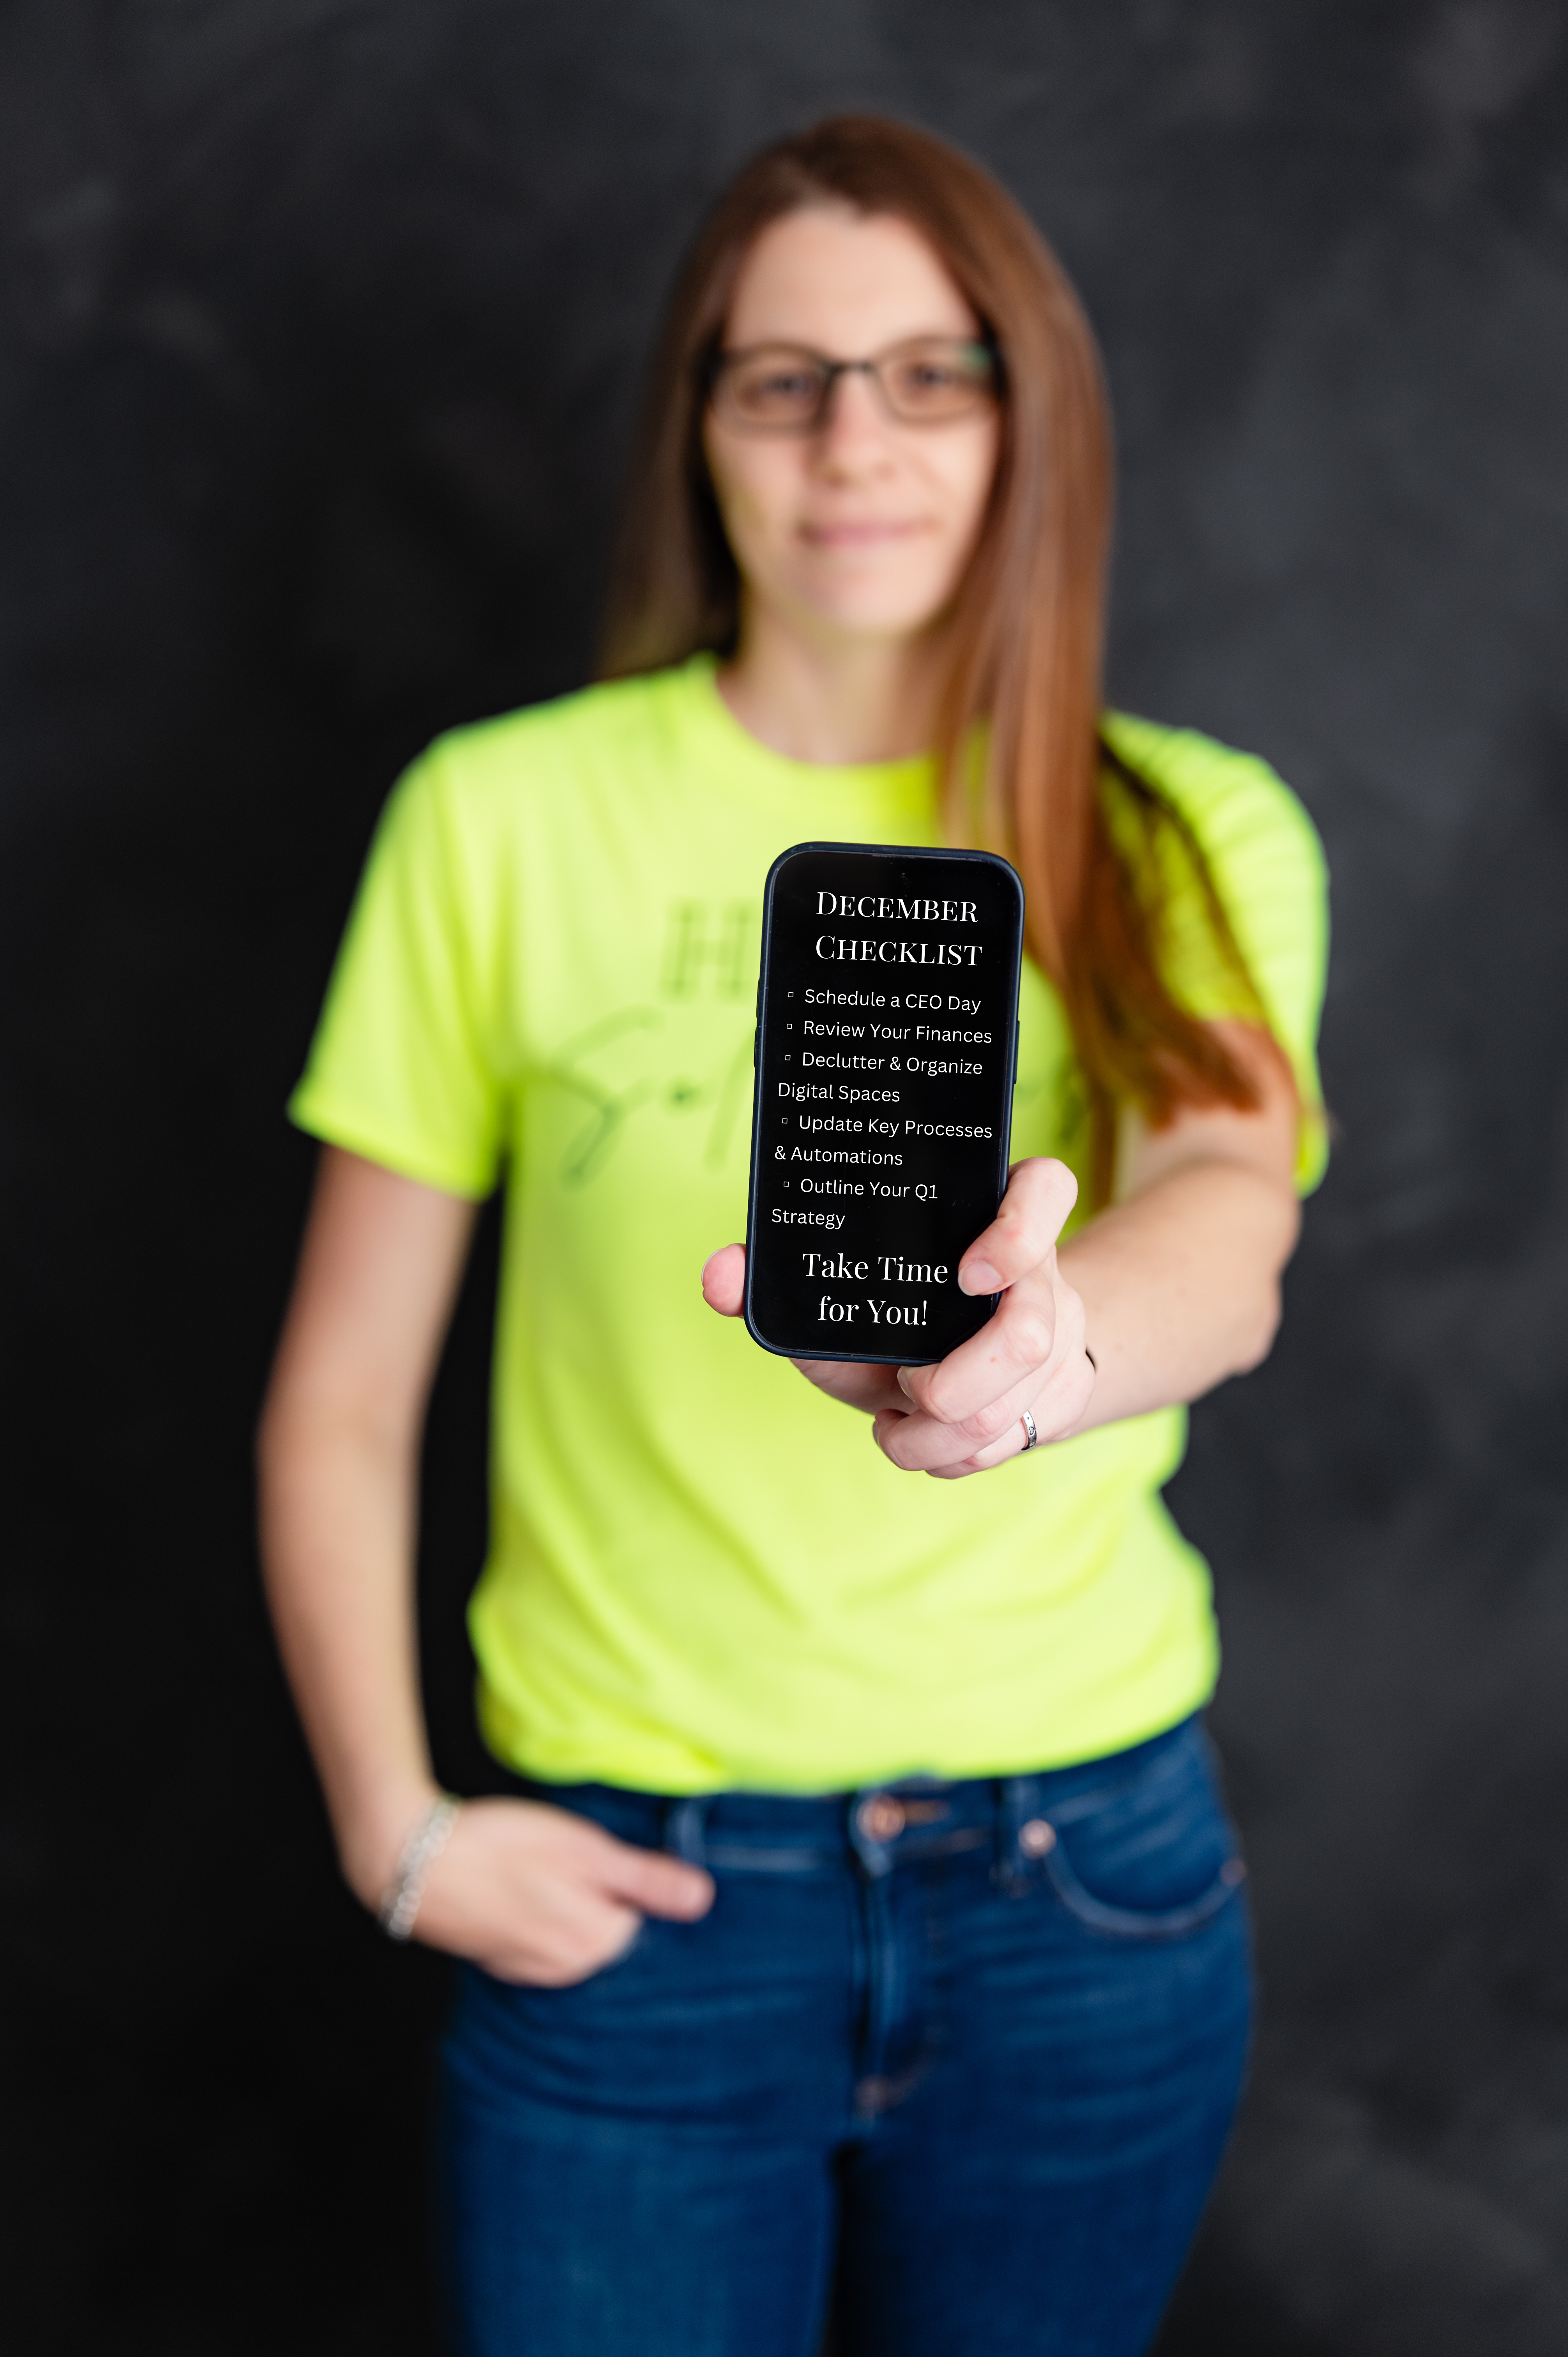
(965, 1414)
(879, 1163)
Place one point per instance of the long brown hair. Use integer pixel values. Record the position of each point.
(1023, 677)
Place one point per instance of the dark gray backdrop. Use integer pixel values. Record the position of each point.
(320, 326)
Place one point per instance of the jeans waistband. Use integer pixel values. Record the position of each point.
(880, 1825)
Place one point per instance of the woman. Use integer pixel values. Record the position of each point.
(862, 1911)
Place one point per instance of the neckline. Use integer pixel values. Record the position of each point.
(910, 779)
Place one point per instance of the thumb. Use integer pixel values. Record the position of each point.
(1040, 1193)
(723, 1280)
(658, 1885)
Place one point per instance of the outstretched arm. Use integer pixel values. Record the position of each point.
(1167, 1292)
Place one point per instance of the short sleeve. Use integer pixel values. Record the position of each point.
(403, 1069)
(1267, 866)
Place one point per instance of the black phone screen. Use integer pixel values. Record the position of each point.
(886, 1042)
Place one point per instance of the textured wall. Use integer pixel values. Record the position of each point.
(320, 322)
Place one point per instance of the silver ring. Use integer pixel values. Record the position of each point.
(1031, 1438)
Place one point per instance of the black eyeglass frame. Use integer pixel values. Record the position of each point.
(718, 363)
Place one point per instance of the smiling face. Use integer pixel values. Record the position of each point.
(862, 528)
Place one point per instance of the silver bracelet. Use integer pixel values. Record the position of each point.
(418, 1855)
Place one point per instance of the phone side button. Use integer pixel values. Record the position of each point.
(1014, 1055)
(756, 1034)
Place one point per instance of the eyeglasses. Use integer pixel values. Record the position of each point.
(785, 389)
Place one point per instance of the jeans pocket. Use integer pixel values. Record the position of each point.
(636, 1947)
(1152, 1859)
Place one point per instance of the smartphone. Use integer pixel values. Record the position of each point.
(886, 1048)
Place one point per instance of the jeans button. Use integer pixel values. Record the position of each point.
(1036, 1837)
(880, 1819)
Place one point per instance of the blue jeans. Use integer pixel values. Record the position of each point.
(957, 2061)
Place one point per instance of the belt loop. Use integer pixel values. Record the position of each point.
(1015, 1803)
(685, 1822)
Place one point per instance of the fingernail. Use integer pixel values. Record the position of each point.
(904, 1383)
(979, 1276)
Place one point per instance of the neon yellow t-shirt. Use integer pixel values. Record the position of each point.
(702, 1573)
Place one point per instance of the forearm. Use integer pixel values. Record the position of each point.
(338, 1548)
(339, 1460)
(1180, 1285)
